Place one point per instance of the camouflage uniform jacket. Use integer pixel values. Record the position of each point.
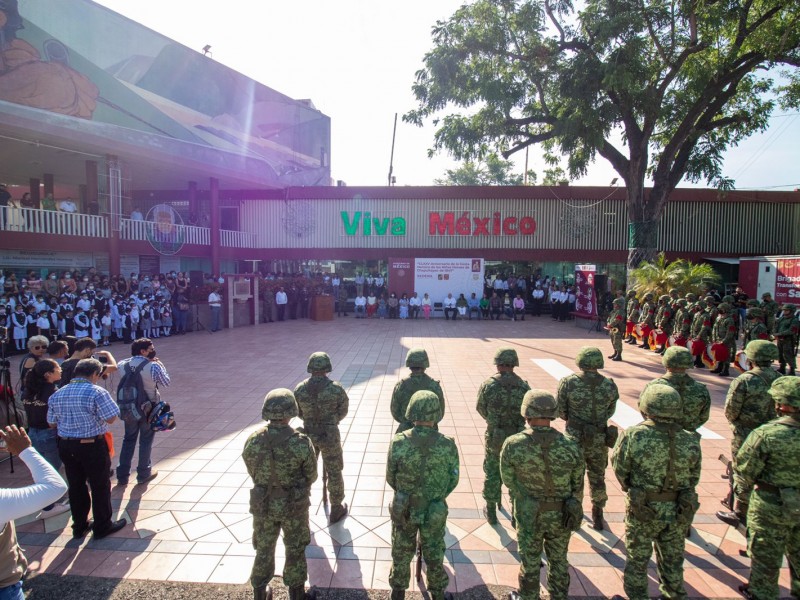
(616, 320)
(748, 405)
(587, 398)
(663, 319)
(633, 310)
(683, 322)
(701, 326)
(770, 310)
(321, 403)
(283, 465)
(641, 458)
(403, 391)
(553, 470)
(757, 331)
(695, 399)
(647, 315)
(770, 454)
(410, 471)
(724, 331)
(499, 403)
(787, 328)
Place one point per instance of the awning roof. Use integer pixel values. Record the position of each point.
(719, 259)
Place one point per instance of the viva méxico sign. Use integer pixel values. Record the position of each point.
(451, 223)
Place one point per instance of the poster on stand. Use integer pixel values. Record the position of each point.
(787, 281)
(436, 276)
(585, 299)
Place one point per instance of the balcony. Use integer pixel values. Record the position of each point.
(29, 220)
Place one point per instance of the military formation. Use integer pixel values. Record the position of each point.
(657, 463)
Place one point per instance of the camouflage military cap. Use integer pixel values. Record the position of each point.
(728, 298)
(673, 292)
(631, 294)
(691, 297)
(709, 299)
(589, 358)
(790, 307)
(755, 313)
(423, 406)
(319, 361)
(660, 402)
(761, 351)
(683, 302)
(507, 357)
(786, 390)
(664, 298)
(279, 404)
(766, 295)
(724, 307)
(752, 302)
(677, 357)
(648, 296)
(701, 305)
(619, 302)
(539, 404)
(417, 357)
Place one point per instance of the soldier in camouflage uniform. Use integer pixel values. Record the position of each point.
(417, 361)
(748, 405)
(695, 399)
(683, 319)
(616, 327)
(586, 401)
(754, 328)
(499, 401)
(322, 404)
(701, 329)
(657, 464)
(543, 469)
(663, 321)
(647, 316)
(282, 464)
(770, 308)
(422, 469)
(724, 331)
(632, 310)
(768, 460)
(787, 328)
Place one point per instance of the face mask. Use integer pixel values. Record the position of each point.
(67, 276)
(151, 355)
(52, 276)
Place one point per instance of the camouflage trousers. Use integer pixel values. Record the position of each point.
(333, 463)
(548, 533)
(492, 482)
(786, 355)
(669, 538)
(771, 534)
(296, 536)
(616, 340)
(404, 545)
(595, 453)
(739, 436)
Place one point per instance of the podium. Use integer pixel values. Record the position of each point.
(322, 308)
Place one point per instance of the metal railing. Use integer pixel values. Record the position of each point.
(33, 220)
(146, 230)
(236, 239)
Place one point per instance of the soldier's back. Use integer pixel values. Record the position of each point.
(320, 399)
(695, 398)
(500, 398)
(281, 448)
(524, 456)
(587, 397)
(423, 461)
(647, 456)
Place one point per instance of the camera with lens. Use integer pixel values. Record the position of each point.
(102, 358)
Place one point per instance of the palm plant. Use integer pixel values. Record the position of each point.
(661, 276)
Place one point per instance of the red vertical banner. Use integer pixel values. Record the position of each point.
(787, 281)
(585, 300)
(401, 276)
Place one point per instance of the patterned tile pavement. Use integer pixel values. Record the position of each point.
(192, 522)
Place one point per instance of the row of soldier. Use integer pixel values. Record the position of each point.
(710, 329)
(657, 463)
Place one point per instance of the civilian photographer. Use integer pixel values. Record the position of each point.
(85, 348)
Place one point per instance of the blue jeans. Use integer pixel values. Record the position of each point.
(215, 311)
(181, 317)
(135, 428)
(45, 441)
(12, 592)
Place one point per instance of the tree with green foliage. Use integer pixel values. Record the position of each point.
(660, 276)
(491, 170)
(659, 89)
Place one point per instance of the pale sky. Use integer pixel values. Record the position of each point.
(356, 59)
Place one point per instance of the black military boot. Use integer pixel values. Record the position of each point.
(744, 590)
(338, 513)
(725, 372)
(490, 512)
(262, 593)
(298, 592)
(398, 594)
(612, 356)
(698, 362)
(782, 369)
(618, 357)
(597, 518)
(645, 345)
(717, 369)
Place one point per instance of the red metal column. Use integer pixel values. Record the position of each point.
(214, 185)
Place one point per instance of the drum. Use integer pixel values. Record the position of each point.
(678, 340)
(629, 328)
(642, 332)
(656, 339)
(715, 354)
(740, 364)
(697, 347)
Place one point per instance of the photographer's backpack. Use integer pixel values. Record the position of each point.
(131, 395)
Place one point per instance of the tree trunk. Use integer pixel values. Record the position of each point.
(642, 240)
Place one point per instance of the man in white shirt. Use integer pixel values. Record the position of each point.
(414, 305)
(47, 487)
(449, 305)
(360, 306)
(281, 300)
(68, 206)
(215, 303)
(136, 215)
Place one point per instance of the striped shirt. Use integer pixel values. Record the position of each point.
(81, 409)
